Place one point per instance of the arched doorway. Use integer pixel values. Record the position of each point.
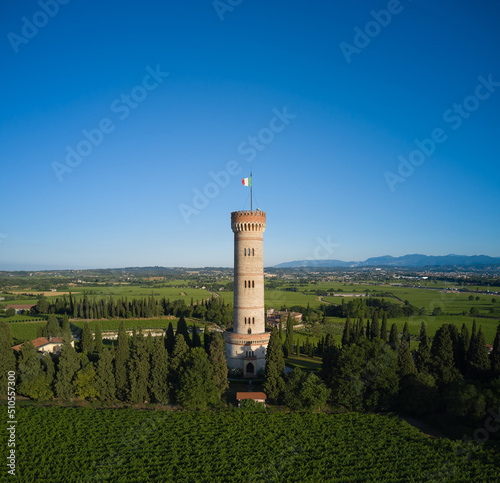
(250, 368)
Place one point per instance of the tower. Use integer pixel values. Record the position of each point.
(246, 342)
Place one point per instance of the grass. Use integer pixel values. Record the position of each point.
(304, 362)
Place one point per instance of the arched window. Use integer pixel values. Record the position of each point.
(249, 331)
(253, 284)
(245, 252)
(245, 320)
(253, 252)
(245, 284)
(253, 320)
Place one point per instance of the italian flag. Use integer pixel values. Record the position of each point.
(247, 181)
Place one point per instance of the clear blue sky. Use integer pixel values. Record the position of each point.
(353, 104)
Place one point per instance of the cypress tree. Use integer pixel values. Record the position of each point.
(84, 382)
(217, 356)
(478, 361)
(66, 328)
(139, 370)
(196, 337)
(98, 338)
(274, 383)
(423, 355)
(394, 337)
(206, 338)
(383, 329)
(69, 364)
(87, 339)
(346, 336)
(442, 358)
(50, 369)
(182, 329)
(462, 348)
(170, 338)
(105, 378)
(53, 328)
(406, 334)
(33, 381)
(495, 354)
(179, 357)
(375, 329)
(406, 365)
(289, 335)
(197, 389)
(121, 363)
(159, 372)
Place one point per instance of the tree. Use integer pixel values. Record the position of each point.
(383, 329)
(98, 338)
(33, 380)
(196, 340)
(423, 355)
(159, 372)
(10, 312)
(179, 356)
(105, 378)
(69, 364)
(442, 359)
(170, 338)
(66, 328)
(406, 334)
(305, 391)
(346, 335)
(182, 329)
(462, 349)
(85, 380)
(288, 347)
(406, 365)
(478, 362)
(87, 339)
(121, 363)
(206, 338)
(197, 389)
(495, 354)
(394, 337)
(217, 356)
(139, 370)
(53, 329)
(274, 383)
(7, 358)
(375, 329)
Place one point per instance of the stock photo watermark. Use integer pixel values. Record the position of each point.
(223, 6)
(11, 423)
(454, 117)
(364, 36)
(122, 107)
(249, 148)
(31, 26)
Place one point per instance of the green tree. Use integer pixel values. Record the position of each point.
(288, 347)
(84, 382)
(406, 365)
(66, 328)
(423, 355)
(139, 367)
(462, 349)
(375, 329)
(69, 364)
(170, 338)
(159, 387)
(121, 363)
(98, 338)
(394, 337)
(33, 380)
(442, 358)
(478, 362)
(196, 340)
(179, 356)
(10, 312)
(197, 389)
(182, 329)
(495, 354)
(305, 391)
(105, 378)
(383, 329)
(346, 335)
(53, 329)
(406, 334)
(86, 339)
(206, 338)
(274, 383)
(217, 356)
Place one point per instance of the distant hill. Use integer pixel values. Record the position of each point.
(404, 261)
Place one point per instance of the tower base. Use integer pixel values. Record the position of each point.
(246, 353)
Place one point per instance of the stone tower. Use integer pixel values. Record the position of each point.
(246, 342)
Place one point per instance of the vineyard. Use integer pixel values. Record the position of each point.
(80, 444)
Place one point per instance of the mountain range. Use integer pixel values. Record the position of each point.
(414, 260)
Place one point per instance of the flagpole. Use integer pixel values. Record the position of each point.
(251, 192)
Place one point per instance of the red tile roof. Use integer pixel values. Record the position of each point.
(40, 342)
(20, 307)
(240, 396)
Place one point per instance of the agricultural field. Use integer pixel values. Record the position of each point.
(57, 444)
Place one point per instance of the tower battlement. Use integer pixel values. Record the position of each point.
(248, 221)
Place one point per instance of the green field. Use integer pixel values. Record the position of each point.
(57, 444)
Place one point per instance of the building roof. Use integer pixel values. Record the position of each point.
(240, 396)
(20, 307)
(40, 342)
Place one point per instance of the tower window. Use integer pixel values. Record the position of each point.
(245, 284)
(253, 252)
(253, 284)
(245, 252)
(249, 331)
(245, 320)
(253, 320)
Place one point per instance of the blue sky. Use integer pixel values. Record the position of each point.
(322, 100)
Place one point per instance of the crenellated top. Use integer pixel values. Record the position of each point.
(248, 220)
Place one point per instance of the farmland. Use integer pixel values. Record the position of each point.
(80, 444)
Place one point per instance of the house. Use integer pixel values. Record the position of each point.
(259, 397)
(489, 348)
(20, 308)
(46, 344)
(275, 317)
